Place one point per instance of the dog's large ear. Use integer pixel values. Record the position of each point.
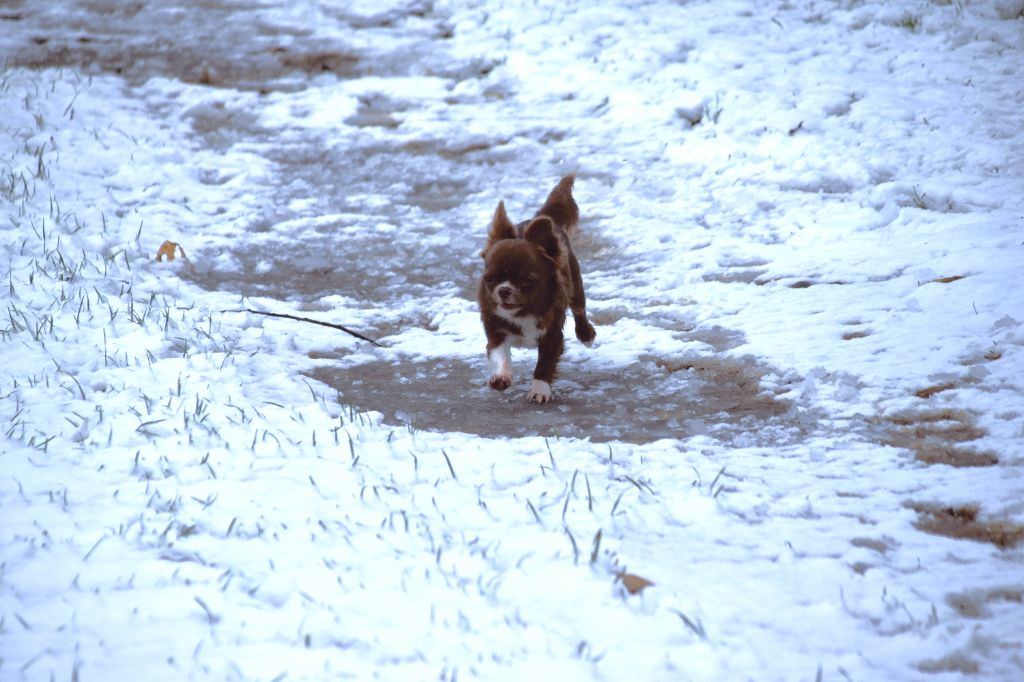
(542, 232)
(560, 206)
(501, 226)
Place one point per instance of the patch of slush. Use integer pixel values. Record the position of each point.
(245, 45)
(642, 402)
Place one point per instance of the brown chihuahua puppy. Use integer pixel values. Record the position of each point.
(531, 276)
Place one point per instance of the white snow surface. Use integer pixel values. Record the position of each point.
(825, 200)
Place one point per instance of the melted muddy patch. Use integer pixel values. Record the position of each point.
(377, 211)
(940, 436)
(349, 257)
(964, 523)
(977, 603)
(211, 42)
(643, 402)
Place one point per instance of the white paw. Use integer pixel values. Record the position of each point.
(540, 392)
(499, 382)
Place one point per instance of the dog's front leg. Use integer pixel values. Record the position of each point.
(500, 355)
(549, 350)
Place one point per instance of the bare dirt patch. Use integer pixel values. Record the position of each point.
(953, 663)
(932, 390)
(964, 523)
(939, 437)
(881, 546)
(977, 603)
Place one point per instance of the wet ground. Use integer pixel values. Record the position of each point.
(646, 401)
(213, 42)
(389, 216)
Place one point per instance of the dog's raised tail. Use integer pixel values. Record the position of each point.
(561, 207)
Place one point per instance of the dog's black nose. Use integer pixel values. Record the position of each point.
(504, 292)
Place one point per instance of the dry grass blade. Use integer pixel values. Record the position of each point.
(211, 617)
(698, 627)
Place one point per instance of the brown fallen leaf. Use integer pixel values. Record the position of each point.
(634, 583)
(167, 249)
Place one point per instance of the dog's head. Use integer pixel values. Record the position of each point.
(521, 267)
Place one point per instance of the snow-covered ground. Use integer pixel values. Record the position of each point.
(803, 420)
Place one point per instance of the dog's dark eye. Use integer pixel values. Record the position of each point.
(488, 280)
(529, 282)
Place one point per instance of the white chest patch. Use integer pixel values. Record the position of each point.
(530, 334)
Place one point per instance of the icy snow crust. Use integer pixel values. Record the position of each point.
(802, 238)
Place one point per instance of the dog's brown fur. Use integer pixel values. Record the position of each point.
(531, 277)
